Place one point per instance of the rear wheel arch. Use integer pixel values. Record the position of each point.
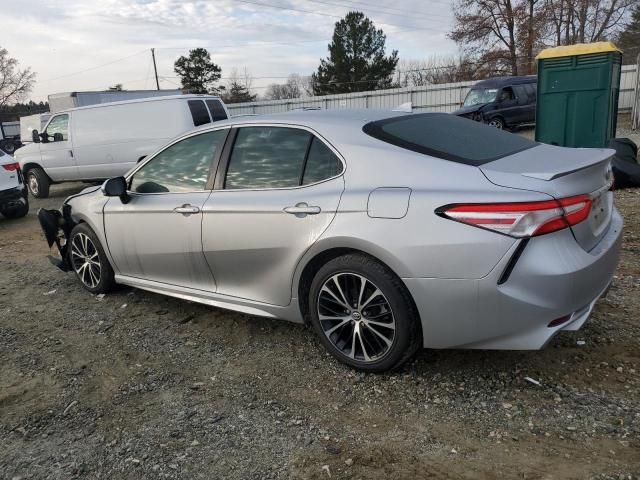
(313, 265)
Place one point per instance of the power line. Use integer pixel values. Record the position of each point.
(324, 14)
(421, 16)
(94, 68)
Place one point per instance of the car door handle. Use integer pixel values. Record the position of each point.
(302, 209)
(186, 209)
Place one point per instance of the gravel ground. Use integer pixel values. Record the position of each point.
(135, 385)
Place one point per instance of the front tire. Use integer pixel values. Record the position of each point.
(88, 260)
(497, 122)
(38, 182)
(364, 314)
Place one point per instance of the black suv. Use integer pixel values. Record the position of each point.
(502, 102)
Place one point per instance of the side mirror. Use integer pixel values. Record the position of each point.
(35, 136)
(57, 137)
(116, 187)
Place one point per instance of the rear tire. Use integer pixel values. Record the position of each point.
(88, 260)
(364, 314)
(38, 182)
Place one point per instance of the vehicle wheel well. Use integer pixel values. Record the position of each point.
(30, 166)
(317, 262)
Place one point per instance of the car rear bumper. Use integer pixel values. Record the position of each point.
(552, 279)
(13, 197)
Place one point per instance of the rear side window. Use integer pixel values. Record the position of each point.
(217, 110)
(199, 112)
(322, 163)
(267, 157)
(448, 137)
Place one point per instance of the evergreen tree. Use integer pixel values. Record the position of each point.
(197, 72)
(357, 60)
(238, 93)
(629, 39)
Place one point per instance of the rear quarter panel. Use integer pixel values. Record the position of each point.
(421, 243)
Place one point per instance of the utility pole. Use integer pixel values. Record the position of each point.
(155, 69)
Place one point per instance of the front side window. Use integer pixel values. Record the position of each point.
(182, 167)
(267, 157)
(58, 124)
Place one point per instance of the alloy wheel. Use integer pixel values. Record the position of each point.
(33, 184)
(356, 317)
(85, 260)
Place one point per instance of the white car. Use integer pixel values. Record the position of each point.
(106, 140)
(13, 192)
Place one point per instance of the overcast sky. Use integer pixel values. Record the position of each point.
(81, 45)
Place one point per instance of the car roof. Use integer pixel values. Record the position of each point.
(499, 82)
(314, 118)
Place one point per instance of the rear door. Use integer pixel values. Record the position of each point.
(56, 149)
(157, 235)
(275, 195)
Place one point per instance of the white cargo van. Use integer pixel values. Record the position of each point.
(101, 141)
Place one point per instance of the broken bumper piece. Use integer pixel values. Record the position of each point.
(56, 226)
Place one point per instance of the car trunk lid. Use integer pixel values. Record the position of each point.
(562, 172)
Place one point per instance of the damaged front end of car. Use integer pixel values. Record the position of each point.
(57, 226)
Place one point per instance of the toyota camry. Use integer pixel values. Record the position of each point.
(385, 231)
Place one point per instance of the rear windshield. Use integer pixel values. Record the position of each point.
(448, 137)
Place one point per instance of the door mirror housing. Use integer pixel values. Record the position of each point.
(116, 187)
(35, 136)
(57, 137)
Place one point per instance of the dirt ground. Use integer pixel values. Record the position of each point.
(136, 385)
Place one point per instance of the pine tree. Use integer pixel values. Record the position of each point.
(629, 39)
(197, 72)
(357, 60)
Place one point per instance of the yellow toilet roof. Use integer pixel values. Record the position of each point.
(578, 49)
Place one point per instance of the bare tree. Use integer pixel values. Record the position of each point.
(580, 21)
(15, 84)
(296, 86)
(436, 69)
(505, 35)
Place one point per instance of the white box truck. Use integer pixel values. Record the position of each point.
(30, 123)
(106, 140)
(66, 100)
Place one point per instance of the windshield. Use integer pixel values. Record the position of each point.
(480, 95)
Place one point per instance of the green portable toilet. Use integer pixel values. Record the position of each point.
(578, 87)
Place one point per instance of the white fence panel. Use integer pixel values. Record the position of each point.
(445, 97)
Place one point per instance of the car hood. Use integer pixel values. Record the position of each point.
(469, 109)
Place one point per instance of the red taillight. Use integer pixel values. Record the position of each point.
(11, 167)
(527, 219)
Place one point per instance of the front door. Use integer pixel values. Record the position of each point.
(56, 149)
(157, 235)
(279, 193)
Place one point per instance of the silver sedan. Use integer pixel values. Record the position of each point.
(386, 232)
